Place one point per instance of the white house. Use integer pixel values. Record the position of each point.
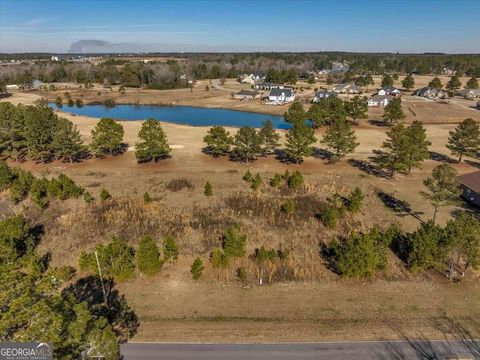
(323, 95)
(469, 93)
(379, 100)
(268, 86)
(281, 96)
(430, 93)
(390, 90)
(347, 89)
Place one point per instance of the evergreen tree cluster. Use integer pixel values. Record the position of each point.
(22, 184)
(233, 246)
(37, 133)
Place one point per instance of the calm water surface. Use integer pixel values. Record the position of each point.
(185, 115)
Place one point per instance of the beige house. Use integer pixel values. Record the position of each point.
(246, 95)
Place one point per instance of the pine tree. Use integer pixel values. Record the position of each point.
(170, 249)
(197, 268)
(465, 139)
(397, 147)
(423, 247)
(393, 112)
(355, 200)
(341, 138)
(296, 113)
(408, 82)
(67, 142)
(234, 242)
(387, 80)
(269, 139)
(153, 144)
(105, 195)
(107, 137)
(40, 124)
(148, 256)
(246, 144)
(453, 85)
(218, 141)
(357, 108)
(443, 187)
(472, 83)
(418, 145)
(435, 83)
(300, 139)
(208, 190)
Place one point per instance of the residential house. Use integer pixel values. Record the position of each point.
(470, 184)
(347, 89)
(379, 100)
(278, 96)
(390, 90)
(258, 77)
(268, 86)
(323, 95)
(430, 93)
(469, 93)
(247, 79)
(247, 95)
(36, 84)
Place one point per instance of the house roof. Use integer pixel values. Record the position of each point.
(247, 92)
(325, 92)
(378, 98)
(389, 88)
(471, 181)
(266, 83)
(279, 92)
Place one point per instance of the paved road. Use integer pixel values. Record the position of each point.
(304, 351)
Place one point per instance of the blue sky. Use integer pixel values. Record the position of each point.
(224, 25)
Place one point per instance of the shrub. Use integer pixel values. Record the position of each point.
(242, 275)
(288, 207)
(248, 177)
(234, 242)
(39, 192)
(109, 103)
(147, 198)
(208, 190)
(105, 195)
(197, 269)
(21, 185)
(88, 198)
(276, 180)
(170, 249)
(79, 103)
(148, 256)
(64, 188)
(70, 102)
(328, 216)
(116, 260)
(295, 181)
(15, 239)
(360, 254)
(6, 176)
(179, 184)
(257, 182)
(58, 101)
(218, 259)
(355, 200)
(263, 254)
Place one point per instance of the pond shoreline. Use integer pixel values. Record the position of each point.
(194, 116)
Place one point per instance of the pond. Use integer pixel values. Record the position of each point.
(185, 115)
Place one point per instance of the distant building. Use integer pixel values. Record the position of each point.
(323, 95)
(281, 95)
(430, 93)
(379, 100)
(470, 184)
(390, 90)
(36, 84)
(268, 86)
(247, 79)
(257, 77)
(54, 58)
(469, 93)
(247, 95)
(347, 89)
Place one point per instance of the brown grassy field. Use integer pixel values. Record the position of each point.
(312, 302)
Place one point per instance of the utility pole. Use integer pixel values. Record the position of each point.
(101, 279)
